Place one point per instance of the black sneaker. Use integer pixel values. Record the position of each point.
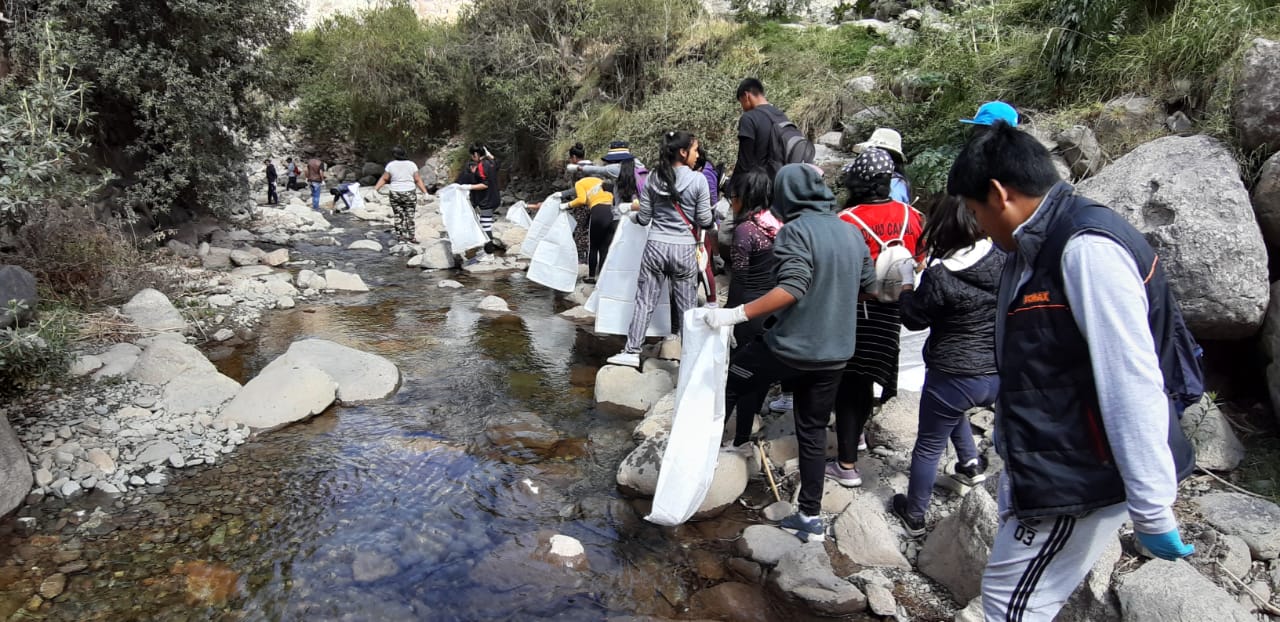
(915, 526)
(971, 473)
(807, 528)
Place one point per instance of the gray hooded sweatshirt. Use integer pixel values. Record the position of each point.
(823, 262)
(657, 206)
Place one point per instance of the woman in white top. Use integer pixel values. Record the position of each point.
(401, 178)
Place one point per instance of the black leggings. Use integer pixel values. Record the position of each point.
(602, 227)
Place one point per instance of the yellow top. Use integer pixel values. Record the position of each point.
(590, 193)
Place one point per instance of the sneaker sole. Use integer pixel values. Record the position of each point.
(847, 483)
(778, 410)
(969, 481)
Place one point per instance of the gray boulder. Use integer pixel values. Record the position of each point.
(1080, 150)
(493, 303)
(956, 551)
(244, 258)
(1257, 97)
(284, 392)
(727, 484)
(896, 424)
(194, 391)
(1266, 201)
(365, 245)
(1254, 520)
(1217, 447)
(657, 420)
(344, 281)
(863, 534)
(1130, 116)
(17, 287)
(638, 473)
(361, 376)
(15, 471)
(372, 169)
(166, 359)
(151, 310)
(766, 544)
(805, 574)
(1212, 250)
(625, 391)
(117, 361)
(1175, 592)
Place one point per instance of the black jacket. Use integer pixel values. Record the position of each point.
(959, 308)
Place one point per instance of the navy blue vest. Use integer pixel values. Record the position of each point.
(1055, 446)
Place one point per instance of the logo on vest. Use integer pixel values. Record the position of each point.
(1035, 298)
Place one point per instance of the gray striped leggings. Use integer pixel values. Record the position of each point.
(664, 268)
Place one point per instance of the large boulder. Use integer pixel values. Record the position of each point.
(727, 484)
(1212, 250)
(956, 551)
(194, 391)
(625, 391)
(17, 287)
(1080, 150)
(1130, 116)
(1266, 201)
(344, 281)
(361, 376)
(1254, 520)
(657, 420)
(1257, 97)
(805, 574)
(284, 392)
(372, 169)
(1175, 592)
(1094, 600)
(1217, 447)
(151, 310)
(863, 534)
(15, 471)
(896, 424)
(166, 359)
(766, 544)
(436, 255)
(638, 473)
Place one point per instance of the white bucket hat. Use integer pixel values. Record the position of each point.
(887, 139)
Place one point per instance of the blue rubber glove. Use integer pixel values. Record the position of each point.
(1166, 545)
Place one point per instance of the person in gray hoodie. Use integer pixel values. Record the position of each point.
(822, 266)
(678, 204)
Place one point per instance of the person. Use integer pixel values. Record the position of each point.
(991, 112)
(677, 202)
(595, 224)
(755, 129)
(891, 141)
(315, 179)
(578, 154)
(620, 169)
(291, 171)
(957, 302)
(1091, 350)
(272, 176)
(402, 179)
(879, 219)
(339, 193)
(821, 265)
(709, 245)
(480, 178)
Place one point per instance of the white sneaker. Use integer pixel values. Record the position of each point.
(862, 442)
(628, 359)
(784, 403)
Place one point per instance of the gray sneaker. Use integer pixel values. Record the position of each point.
(849, 478)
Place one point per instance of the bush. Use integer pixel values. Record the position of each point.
(36, 353)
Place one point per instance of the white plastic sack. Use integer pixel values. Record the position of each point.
(911, 359)
(614, 299)
(354, 197)
(460, 221)
(540, 226)
(693, 447)
(555, 260)
(519, 214)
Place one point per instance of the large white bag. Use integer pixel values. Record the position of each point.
(614, 299)
(460, 220)
(555, 260)
(519, 214)
(354, 197)
(541, 225)
(693, 447)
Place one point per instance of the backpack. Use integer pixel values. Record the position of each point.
(789, 146)
(888, 283)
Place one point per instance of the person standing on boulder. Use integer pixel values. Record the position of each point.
(480, 178)
(822, 264)
(315, 179)
(756, 129)
(1090, 347)
(272, 176)
(402, 179)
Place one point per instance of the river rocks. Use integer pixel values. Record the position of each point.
(365, 245)
(1266, 201)
(277, 257)
(281, 394)
(1254, 520)
(1217, 447)
(84, 365)
(522, 431)
(564, 551)
(195, 391)
(1235, 555)
(805, 574)
(117, 360)
(157, 452)
(344, 281)
(360, 376)
(638, 473)
(208, 583)
(493, 303)
(53, 586)
(166, 359)
(509, 234)
(449, 284)
(657, 420)
(436, 255)
(627, 391)
(102, 461)
(1257, 97)
(15, 472)
(371, 567)
(1175, 592)
(956, 551)
(578, 314)
(1081, 151)
(896, 424)
(728, 483)
(17, 286)
(310, 280)
(151, 310)
(1212, 250)
(863, 534)
(1130, 116)
(766, 544)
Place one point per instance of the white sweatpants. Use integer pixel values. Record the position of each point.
(1036, 564)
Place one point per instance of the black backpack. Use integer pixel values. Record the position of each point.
(789, 146)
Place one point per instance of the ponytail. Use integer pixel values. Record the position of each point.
(669, 154)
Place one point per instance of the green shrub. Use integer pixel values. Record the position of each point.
(36, 353)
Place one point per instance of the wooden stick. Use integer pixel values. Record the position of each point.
(1263, 603)
(1229, 484)
(768, 470)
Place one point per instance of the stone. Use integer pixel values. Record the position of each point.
(277, 257)
(252, 271)
(1094, 600)
(896, 424)
(343, 281)
(731, 601)
(1266, 201)
(1236, 556)
(522, 430)
(151, 310)
(102, 460)
(310, 280)
(208, 583)
(15, 470)
(372, 567)
(156, 452)
(360, 376)
(194, 391)
(493, 303)
(165, 360)
(1217, 447)
(1179, 123)
(1212, 251)
(1257, 97)
(1175, 592)
(117, 360)
(216, 258)
(436, 255)
(281, 394)
(956, 551)
(43, 477)
(766, 544)
(365, 245)
(880, 600)
(626, 391)
(449, 284)
(638, 472)
(1081, 151)
(53, 585)
(578, 314)
(17, 287)
(1130, 116)
(1256, 521)
(972, 612)
(222, 301)
(727, 484)
(831, 140)
(244, 258)
(657, 420)
(778, 510)
(863, 534)
(67, 489)
(561, 550)
(285, 302)
(223, 334)
(805, 574)
(84, 365)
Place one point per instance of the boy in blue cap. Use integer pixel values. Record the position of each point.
(991, 112)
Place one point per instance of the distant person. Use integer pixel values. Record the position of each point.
(710, 238)
(315, 179)
(403, 182)
(339, 193)
(991, 112)
(292, 172)
(1094, 361)
(480, 177)
(956, 301)
(891, 142)
(756, 130)
(272, 176)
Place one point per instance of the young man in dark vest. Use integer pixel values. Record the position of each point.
(1088, 339)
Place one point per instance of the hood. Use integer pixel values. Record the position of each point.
(984, 262)
(685, 177)
(799, 189)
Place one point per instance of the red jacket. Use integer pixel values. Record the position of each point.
(885, 219)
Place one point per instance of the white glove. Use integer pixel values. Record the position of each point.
(464, 187)
(720, 318)
(907, 271)
(572, 168)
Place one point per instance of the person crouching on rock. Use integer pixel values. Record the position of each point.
(402, 179)
(822, 265)
(677, 201)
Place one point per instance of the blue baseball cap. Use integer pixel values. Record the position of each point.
(991, 112)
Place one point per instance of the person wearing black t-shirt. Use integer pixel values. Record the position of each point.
(755, 129)
(480, 178)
